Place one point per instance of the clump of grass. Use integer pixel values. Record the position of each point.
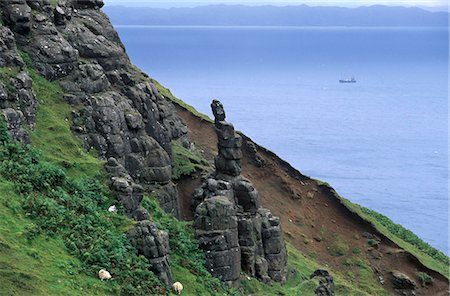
(338, 247)
(6, 73)
(186, 162)
(356, 251)
(373, 242)
(424, 278)
(168, 95)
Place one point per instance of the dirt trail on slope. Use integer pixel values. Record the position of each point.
(313, 218)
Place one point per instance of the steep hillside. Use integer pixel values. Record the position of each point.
(98, 169)
(363, 245)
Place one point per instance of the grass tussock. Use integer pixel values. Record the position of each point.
(186, 162)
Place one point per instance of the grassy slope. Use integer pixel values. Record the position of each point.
(383, 227)
(39, 267)
(428, 255)
(56, 268)
(52, 135)
(59, 273)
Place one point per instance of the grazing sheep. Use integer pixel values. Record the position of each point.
(104, 275)
(112, 209)
(177, 288)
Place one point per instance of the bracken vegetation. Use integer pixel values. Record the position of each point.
(76, 211)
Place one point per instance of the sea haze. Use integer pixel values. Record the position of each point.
(381, 142)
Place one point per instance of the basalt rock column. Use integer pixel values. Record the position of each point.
(216, 229)
(260, 238)
(228, 161)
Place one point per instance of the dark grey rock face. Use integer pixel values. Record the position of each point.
(216, 230)
(153, 244)
(168, 200)
(17, 15)
(326, 284)
(117, 110)
(17, 100)
(260, 237)
(128, 193)
(9, 56)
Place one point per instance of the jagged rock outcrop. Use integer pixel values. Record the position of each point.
(117, 110)
(216, 229)
(17, 100)
(326, 283)
(153, 244)
(260, 237)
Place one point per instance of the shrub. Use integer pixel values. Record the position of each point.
(185, 162)
(356, 251)
(339, 246)
(424, 278)
(373, 242)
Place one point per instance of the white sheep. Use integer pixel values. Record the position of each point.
(112, 209)
(104, 275)
(177, 287)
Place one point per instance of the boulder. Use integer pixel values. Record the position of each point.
(402, 282)
(153, 244)
(326, 283)
(18, 16)
(168, 199)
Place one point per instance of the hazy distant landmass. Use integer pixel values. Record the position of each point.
(302, 15)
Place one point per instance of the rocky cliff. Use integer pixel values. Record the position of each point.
(118, 113)
(116, 110)
(131, 123)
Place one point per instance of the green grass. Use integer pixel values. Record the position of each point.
(404, 238)
(52, 134)
(187, 260)
(300, 269)
(338, 246)
(425, 278)
(6, 73)
(37, 267)
(186, 162)
(167, 94)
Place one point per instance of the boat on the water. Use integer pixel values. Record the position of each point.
(348, 80)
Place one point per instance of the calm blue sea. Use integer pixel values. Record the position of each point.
(381, 142)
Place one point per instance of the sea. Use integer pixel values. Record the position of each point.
(381, 142)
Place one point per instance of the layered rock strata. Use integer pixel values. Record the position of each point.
(224, 197)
